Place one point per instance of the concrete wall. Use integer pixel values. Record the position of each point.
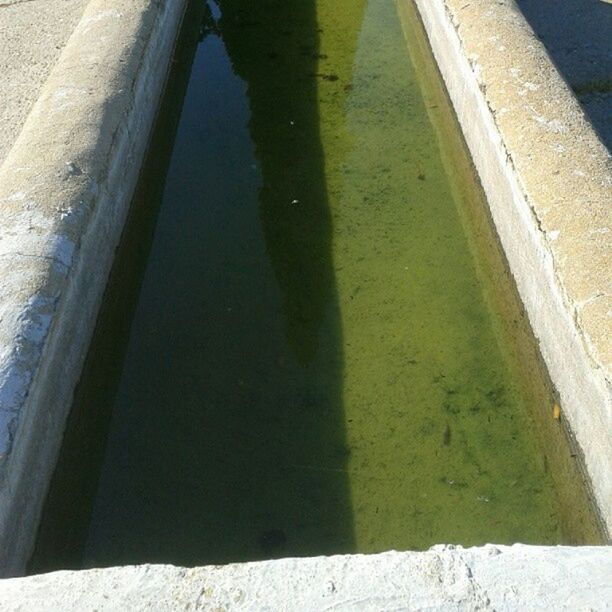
(446, 578)
(65, 189)
(548, 181)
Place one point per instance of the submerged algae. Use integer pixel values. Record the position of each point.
(317, 362)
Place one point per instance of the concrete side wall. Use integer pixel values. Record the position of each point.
(65, 189)
(548, 181)
(444, 578)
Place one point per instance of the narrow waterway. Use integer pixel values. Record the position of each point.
(312, 356)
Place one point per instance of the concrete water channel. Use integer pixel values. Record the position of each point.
(310, 343)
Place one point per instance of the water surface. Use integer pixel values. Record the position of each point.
(318, 359)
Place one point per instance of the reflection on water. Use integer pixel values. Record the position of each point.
(312, 366)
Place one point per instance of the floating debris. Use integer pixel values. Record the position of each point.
(454, 483)
(326, 77)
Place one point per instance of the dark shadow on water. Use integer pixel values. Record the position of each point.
(578, 36)
(67, 511)
(273, 48)
(208, 426)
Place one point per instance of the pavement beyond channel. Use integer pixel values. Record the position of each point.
(578, 36)
(33, 34)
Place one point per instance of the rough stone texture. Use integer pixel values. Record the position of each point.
(65, 188)
(443, 578)
(548, 180)
(32, 36)
(578, 36)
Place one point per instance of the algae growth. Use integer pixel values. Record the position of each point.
(317, 362)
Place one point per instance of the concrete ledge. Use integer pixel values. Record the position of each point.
(443, 578)
(548, 181)
(65, 188)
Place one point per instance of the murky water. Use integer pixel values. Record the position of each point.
(325, 354)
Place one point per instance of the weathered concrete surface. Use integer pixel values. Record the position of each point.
(578, 36)
(32, 36)
(65, 188)
(443, 578)
(548, 180)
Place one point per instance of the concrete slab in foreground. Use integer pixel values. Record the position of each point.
(443, 578)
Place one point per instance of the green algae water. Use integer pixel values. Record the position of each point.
(309, 344)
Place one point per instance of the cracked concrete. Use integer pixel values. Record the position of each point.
(498, 578)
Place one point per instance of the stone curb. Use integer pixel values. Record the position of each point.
(65, 189)
(548, 180)
(498, 578)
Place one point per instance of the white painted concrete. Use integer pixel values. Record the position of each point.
(65, 188)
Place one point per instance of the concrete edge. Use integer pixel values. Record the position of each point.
(65, 190)
(491, 577)
(548, 181)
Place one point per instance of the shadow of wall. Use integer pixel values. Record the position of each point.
(578, 37)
